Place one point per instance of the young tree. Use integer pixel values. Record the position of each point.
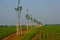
(35, 21)
(40, 24)
(31, 18)
(19, 9)
(27, 18)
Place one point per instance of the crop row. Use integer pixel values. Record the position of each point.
(6, 31)
(30, 34)
(46, 33)
(50, 33)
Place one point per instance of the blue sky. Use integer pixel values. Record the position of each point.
(46, 11)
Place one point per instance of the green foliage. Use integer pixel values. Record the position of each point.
(50, 33)
(46, 32)
(19, 8)
(1, 26)
(5, 31)
(24, 27)
(30, 34)
(27, 16)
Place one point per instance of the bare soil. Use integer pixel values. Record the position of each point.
(36, 37)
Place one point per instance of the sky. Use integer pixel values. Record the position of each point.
(46, 11)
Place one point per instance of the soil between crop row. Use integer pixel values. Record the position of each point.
(13, 35)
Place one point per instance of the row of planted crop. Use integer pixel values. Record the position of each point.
(50, 33)
(46, 33)
(6, 31)
(30, 34)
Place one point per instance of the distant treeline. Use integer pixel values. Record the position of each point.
(52, 24)
(6, 25)
(11, 25)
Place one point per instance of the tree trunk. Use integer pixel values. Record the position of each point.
(17, 29)
(27, 24)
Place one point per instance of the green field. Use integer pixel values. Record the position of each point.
(5, 31)
(45, 32)
(50, 33)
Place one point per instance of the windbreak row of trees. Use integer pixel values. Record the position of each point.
(7, 26)
(28, 17)
(33, 20)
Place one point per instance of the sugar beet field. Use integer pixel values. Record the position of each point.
(37, 33)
